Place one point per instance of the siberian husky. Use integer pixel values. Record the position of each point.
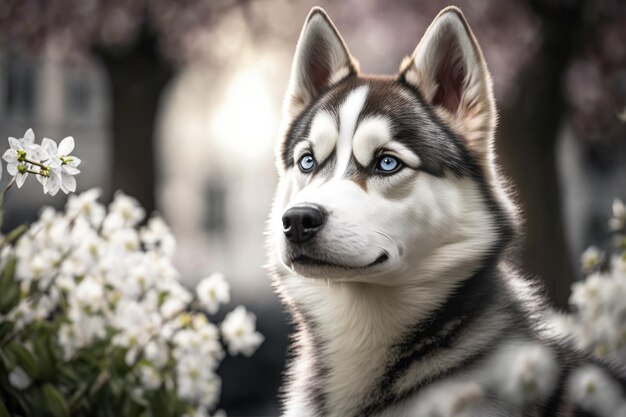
(391, 229)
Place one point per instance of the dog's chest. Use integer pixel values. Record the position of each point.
(354, 380)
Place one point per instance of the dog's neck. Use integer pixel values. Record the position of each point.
(348, 332)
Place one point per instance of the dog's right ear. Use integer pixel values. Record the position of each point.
(449, 70)
(321, 59)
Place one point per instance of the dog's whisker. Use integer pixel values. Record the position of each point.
(384, 235)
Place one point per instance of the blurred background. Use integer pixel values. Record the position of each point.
(177, 103)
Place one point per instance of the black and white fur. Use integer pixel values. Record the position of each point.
(407, 283)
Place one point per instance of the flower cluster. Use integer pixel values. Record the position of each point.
(596, 393)
(53, 165)
(598, 321)
(92, 311)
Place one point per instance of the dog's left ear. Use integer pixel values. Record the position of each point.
(449, 70)
(321, 59)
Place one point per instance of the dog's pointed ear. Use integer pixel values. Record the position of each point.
(321, 59)
(449, 70)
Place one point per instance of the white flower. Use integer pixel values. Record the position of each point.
(202, 412)
(618, 266)
(195, 383)
(590, 258)
(586, 295)
(523, 373)
(238, 329)
(53, 167)
(124, 240)
(149, 377)
(213, 291)
(201, 342)
(124, 212)
(448, 399)
(81, 332)
(196, 412)
(136, 323)
(176, 299)
(141, 277)
(595, 392)
(604, 339)
(157, 353)
(19, 379)
(89, 294)
(62, 165)
(19, 149)
(157, 236)
(618, 221)
(86, 204)
(23, 314)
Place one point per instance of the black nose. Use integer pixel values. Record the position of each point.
(301, 223)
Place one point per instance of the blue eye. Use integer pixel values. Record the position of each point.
(388, 164)
(307, 163)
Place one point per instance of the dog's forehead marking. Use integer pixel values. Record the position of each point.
(349, 112)
(322, 136)
(373, 133)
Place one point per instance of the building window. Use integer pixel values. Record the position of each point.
(20, 88)
(215, 214)
(77, 94)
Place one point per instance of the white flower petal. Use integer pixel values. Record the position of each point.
(20, 178)
(68, 183)
(29, 136)
(10, 156)
(12, 169)
(54, 162)
(68, 169)
(53, 187)
(15, 144)
(66, 146)
(49, 146)
(618, 207)
(19, 379)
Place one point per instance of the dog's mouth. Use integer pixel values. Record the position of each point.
(306, 260)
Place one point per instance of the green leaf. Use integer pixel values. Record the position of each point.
(16, 233)
(9, 271)
(9, 289)
(9, 297)
(55, 401)
(23, 358)
(45, 359)
(78, 395)
(160, 405)
(131, 408)
(3, 409)
(8, 359)
(5, 330)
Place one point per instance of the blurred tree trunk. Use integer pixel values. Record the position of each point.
(138, 74)
(526, 142)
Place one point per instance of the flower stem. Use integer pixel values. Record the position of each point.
(39, 164)
(2, 199)
(8, 187)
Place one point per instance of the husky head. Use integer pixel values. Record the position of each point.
(387, 179)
